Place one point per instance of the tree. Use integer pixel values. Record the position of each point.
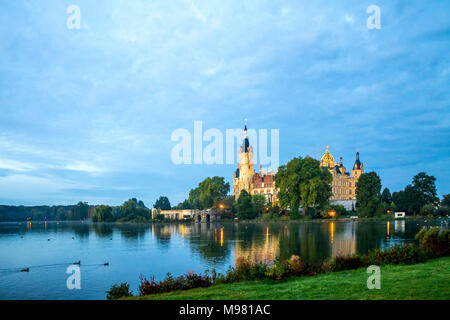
(212, 191)
(445, 200)
(208, 194)
(338, 209)
(258, 202)
(229, 202)
(131, 209)
(443, 211)
(428, 209)
(193, 202)
(425, 188)
(102, 214)
(303, 182)
(421, 192)
(244, 207)
(368, 194)
(386, 196)
(162, 203)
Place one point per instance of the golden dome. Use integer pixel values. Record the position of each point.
(327, 159)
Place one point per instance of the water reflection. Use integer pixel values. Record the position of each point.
(212, 244)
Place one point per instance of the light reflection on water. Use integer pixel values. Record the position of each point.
(47, 248)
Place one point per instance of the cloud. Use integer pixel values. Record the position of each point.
(84, 167)
(349, 19)
(199, 15)
(15, 165)
(93, 110)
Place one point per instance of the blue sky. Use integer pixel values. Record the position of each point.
(88, 114)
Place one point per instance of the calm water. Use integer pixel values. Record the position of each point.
(133, 249)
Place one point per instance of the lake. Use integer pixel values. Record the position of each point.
(47, 249)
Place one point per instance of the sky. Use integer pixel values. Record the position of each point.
(87, 114)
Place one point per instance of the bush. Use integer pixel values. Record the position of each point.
(296, 265)
(345, 263)
(148, 286)
(119, 291)
(434, 241)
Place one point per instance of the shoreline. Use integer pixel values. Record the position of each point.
(427, 281)
(340, 219)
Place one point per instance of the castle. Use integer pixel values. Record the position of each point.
(343, 185)
(245, 177)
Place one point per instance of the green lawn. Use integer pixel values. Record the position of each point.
(430, 280)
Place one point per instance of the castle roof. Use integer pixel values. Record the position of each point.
(357, 164)
(327, 159)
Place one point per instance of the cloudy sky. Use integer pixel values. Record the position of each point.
(88, 114)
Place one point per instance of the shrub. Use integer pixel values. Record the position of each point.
(119, 291)
(242, 265)
(296, 265)
(434, 241)
(148, 287)
(407, 254)
(346, 263)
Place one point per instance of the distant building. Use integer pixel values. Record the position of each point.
(343, 185)
(245, 177)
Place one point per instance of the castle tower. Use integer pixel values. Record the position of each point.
(358, 167)
(358, 170)
(245, 164)
(327, 159)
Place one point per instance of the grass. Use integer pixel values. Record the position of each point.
(430, 280)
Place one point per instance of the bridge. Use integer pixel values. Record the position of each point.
(188, 214)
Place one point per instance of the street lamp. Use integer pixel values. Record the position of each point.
(332, 213)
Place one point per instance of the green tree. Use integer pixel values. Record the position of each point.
(131, 209)
(445, 200)
(229, 202)
(368, 197)
(208, 194)
(193, 201)
(80, 211)
(425, 188)
(102, 214)
(244, 207)
(162, 203)
(259, 203)
(428, 209)
(212, 191)
(386, 196)
(421, 192)
(303, 182)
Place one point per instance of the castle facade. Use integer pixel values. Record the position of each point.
(343, 185)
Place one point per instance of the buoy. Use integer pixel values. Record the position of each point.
(25, 270)
(48, 239)
(78, 262)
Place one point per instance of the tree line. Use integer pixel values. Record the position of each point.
(302, 184)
